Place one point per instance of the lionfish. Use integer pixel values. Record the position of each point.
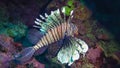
(55, 27)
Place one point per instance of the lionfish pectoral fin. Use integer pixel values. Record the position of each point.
(82, 46)
(66, 52)
(72, 48)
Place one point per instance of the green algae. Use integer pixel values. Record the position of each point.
(109, 48)
(91, 36)
(69, 7)
(14, 29)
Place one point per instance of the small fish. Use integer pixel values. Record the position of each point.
(54, 27)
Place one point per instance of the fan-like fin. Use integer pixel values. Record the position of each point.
(71, 50)
(24, 56)
(50, 21)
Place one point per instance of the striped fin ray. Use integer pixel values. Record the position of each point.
(52, 35)
(56, 28)
(50, 21)
(72, 48)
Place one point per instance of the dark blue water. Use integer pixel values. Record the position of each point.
(107, 12)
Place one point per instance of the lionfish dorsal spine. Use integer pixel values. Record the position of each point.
(46, 15)
(42, 17)
(56, 28)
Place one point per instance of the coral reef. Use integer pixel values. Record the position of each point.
(103, 48)
(16, 30)
(8, 49)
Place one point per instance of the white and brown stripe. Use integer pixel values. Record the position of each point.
(57, 28)
(53, 35)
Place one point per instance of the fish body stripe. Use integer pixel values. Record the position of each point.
(43, 41)
(50, 36)
(47, 37)
(55, 27)
(53, 35)
(56, 33)
(46, 42)
(59, 31)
